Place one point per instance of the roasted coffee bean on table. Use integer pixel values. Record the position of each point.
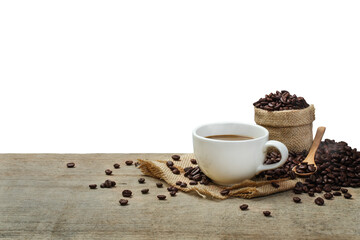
(266, 213)
(225, 192)
(129, 162)
(175, 157)
(126, 193)
(161, 197)
(108, 184)
(108, 172)
(193, 161)
(337, 193)
(328, 196)
(172, 189)
(176, 171)
(92, 186)
(145, 191)
(244, 207)
(296, 199)
(159, 185)
(280, 101)
(344, 190)
(123, 202)
(347, 195)
(173, 193)
(70, 165)
(116, 165)
(141, 180)
(319, 201)
(169, 163)
(192, 182)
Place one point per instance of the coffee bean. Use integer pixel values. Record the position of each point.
(281, 100)
(145, 191)
(266, 213)
(347, 195)
(198, 177)
(192, 182)
(161, 197)
(159, 185)
(70, 165)
(102, 185)
(183, 185)
(173, 194)
(311, 194)
(327, 188)
(116, 165)
(335, 188)
(123, 202)
(92, 186)
(244, 207)
(172, 189)
(108, 172)
(178, 183)
(141, 180)
(275, 185)
(319, 201)
(108, 184)
(129, 162)
(225, 192)
(176, 171)
(337, 193)
(169, 163)
(193, 161)
(175, 157)
(344, 190)
(328, 196)
(126, 193)
(297, 199)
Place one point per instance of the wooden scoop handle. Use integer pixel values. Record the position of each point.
(319, 134)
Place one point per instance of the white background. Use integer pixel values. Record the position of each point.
(138, 76)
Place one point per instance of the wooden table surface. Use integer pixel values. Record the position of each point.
(42, 199)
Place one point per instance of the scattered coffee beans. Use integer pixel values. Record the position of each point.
(159, 185)
(145, 191)
(126, 193)
(244, 207)
(172, 189)
(70, 165)
(116, 165)
(175, 157)
(183, 185)
(161, 197)
(141, 180)
(92, 186)
(266, 213)
(297, 199)
(123, 202)
(281, 101)
(108, 184)
(108, 172)
(225, 192)
(275, 185)
(193, 161)
(347, 195)
(319, 201)
(129, 162)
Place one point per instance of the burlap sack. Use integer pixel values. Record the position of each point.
(291, 127)
(247, 189)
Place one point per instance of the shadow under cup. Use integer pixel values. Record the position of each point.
(228, 162)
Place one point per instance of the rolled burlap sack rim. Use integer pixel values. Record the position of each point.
(285, 118)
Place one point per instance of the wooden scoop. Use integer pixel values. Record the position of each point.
(310, 158)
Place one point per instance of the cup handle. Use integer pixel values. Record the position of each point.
(284, 155)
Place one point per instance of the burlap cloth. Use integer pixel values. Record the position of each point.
(247, 189)
(291, 127)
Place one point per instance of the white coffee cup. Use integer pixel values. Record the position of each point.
(228, 162)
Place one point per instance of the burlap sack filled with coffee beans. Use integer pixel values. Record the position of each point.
(291, 127)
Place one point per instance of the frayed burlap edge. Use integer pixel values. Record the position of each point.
(246, 189)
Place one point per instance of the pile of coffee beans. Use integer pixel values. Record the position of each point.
(196, 175)
(108, 184)
(280, 101)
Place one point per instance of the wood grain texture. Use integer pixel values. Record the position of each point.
(42, 199)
